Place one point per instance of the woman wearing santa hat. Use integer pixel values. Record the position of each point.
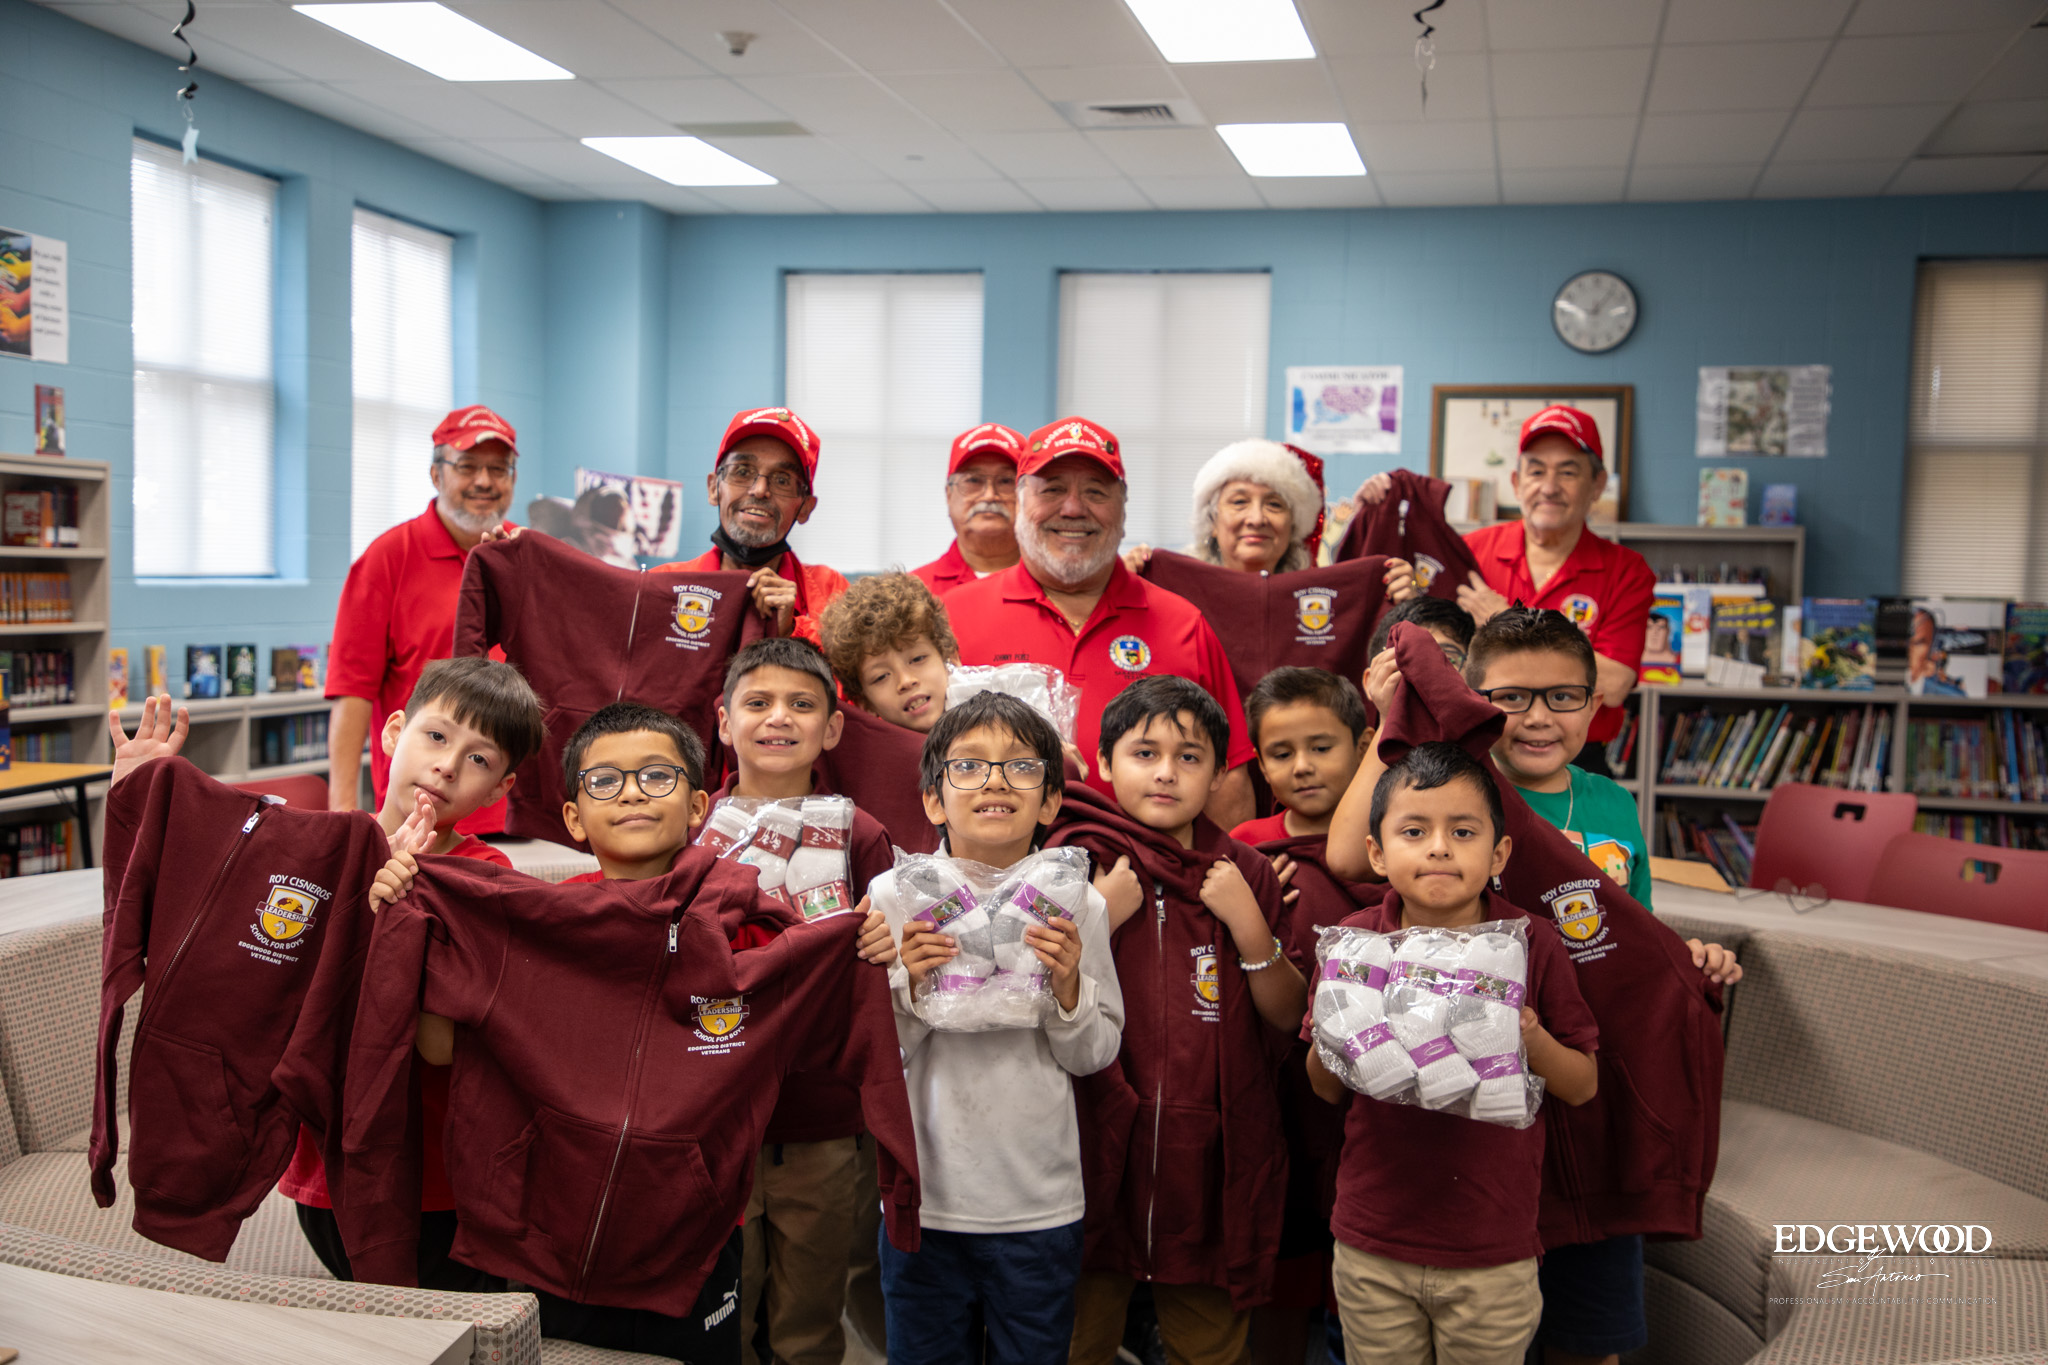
(1258, 509)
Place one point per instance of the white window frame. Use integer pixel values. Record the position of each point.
(402, 371)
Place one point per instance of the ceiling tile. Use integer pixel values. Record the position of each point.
(2008, 127)
(781, 46)
(978, 101)
(976, 196)
(1904, 70)
(1715, 76)
(1667, 183)
(1439, 145)
(1606, 80)
(880, 196)
(1420, 189)
(474, 159)
(1318, 191)
(1536, 144)
(1708, 139)
(675, 199)
(1087, 196)
(894, 35)
(443, 107)
(1262, 92)
(1582, 186)
(1166, 151)
(1965, 175)
(2021, 73)
(1948, 16)
(706, 99)
(761, 199)
(1824, 179)
(1347, 28)
(568, 161)
(1537, 25)
(278, 34)
(918, 157)
(1135, 81)
(1859, 134)
(331, 103)
(1201, 192)
(799, 159)
(1054, 32)
(573, 107)
(1389, 89)
(149, 25)
(837, 104)
(591, 39)
(1050, 156)
(1755, 21)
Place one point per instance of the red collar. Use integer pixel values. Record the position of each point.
(1125, 591)
(435, 539)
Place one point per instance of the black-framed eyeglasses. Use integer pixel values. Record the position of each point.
(605, 783)
(740, 475)
(1514, 700)
(469, 469)
(971, 774)
(1452, 654)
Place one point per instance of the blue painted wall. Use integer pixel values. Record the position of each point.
(1455, 295)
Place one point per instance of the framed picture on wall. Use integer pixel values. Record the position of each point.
(1474, 431)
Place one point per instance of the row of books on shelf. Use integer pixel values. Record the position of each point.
(38, 846)
(292, 739)
(46, 518)
(1621, 750)
(216, 671)
(35, 598)
(2001, 757)
(36, 677)
(39, 746)
(1759, 748)
(1723, 841)
(2003, 831)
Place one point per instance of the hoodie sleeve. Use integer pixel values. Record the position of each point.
(1433, 702)
(1088, 1039)
(481, 613)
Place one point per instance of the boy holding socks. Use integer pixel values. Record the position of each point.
(1184, 1145)
(1436, 1217)
(999, 1145)
(889, 642)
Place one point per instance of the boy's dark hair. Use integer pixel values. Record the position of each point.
(1317, 687)
(1429, 766)
(998, 711)
(792, 652)
(884, 611)
(1431, 613)
(490, 695)
(629, 717)
(1528, 630)
(1164, 697)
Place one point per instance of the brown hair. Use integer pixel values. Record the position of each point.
(489, 694)
(1528, 630)
(885, 611)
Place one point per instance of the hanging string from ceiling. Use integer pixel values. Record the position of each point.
(1425, 50)
(190, 91)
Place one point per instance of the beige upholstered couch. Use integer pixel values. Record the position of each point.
(1867, 1085)
(49, 1015)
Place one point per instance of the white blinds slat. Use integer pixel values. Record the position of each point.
(402, 315)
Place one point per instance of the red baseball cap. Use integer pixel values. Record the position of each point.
(990, 438)
(1071, 436)
(463, 428)
(784, 425)
(1573, 425)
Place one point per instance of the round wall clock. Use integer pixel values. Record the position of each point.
(1595, 311)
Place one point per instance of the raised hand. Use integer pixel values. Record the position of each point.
(157, 735)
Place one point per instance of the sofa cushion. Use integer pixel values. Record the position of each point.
(1689, 1327)
(1962, 1308)
(49, 1018)
(1781, 1168)
(553, 1352)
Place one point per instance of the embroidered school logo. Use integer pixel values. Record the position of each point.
(720, 1018)
(1426, 570)
(1208, 995)
(1612, 857)
(285, 919)
(1578, 915)
(691, 618)
(1581, 609)
(287, 914)
(1130, 653)
(1315, 609)
(1581, 921)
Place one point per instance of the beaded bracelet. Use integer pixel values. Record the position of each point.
(1261, 966)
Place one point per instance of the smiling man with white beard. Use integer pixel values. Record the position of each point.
(981, 501)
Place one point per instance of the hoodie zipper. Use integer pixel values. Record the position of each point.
(205, 904)
(1159, 1085)
(632, 625)
(604, 1195)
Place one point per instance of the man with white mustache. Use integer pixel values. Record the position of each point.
(1070, 602)
(981, 500)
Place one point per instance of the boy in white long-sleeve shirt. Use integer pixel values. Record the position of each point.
(998, 1146)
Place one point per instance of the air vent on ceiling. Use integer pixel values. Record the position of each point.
(1130, 113)
(777, 129)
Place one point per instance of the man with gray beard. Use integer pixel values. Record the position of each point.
(1070, 602)
(981, 500)
(397, 610)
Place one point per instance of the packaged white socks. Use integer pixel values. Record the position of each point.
(1040, 686)
(1351, 1013)
(1046, 886)
(799, 848)
(996, 980)
(817, 871)
(1486, 1024)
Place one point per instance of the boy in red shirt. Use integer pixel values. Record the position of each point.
(1436, 1213)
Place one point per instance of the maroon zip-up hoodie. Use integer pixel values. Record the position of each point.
(1409, 524)
(1311, 618)
(587, 634)
(1183, 1155)
(246, 923)
(1639, 1156)
(615, 1065)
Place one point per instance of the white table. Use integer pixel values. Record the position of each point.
(49, 898)
(550, 862)
(1882, 926)
(54, 1318)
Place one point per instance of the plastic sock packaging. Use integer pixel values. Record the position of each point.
(726, 831)
(1351, 1019)
(1419, 987)
(940, 898)
(1486, 1025)
(1040, 686)
(1046, 886)
(776, 830)
(818, 880)
(996, 981)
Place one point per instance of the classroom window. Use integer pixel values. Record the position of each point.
(889, 367)
(1175, 365)
(1976, 522)
(402, 321)
(205, 389)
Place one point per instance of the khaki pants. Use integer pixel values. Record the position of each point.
(864, 1275)
(801, 1225)
(1395, 1313)
(1196, 1322)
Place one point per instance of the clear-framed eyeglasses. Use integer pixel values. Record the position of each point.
(971, 774)
(1803, 900)
(741, 475)
(469, 470)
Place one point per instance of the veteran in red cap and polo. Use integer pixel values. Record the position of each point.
(1070, 602)
(981, 501)
(1551, 559)
(397, 610)
(762, 486)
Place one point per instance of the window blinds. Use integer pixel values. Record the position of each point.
(205, 397)
(1976, 522)
(402, 315)
(1175, 365)
(887, 369)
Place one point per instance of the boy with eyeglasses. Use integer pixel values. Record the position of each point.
(981, 501)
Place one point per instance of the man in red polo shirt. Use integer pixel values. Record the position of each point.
(1550, 559)
(397, 610)
(981, 500)
(1070, 602)
(761, 485)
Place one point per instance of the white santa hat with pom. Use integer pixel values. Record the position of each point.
(1282, 468)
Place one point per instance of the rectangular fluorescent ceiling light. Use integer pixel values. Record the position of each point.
(1271, 149)
(680, 160)
(437, 40)
(1224, 30)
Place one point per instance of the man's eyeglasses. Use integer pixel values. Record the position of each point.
(605, 784)
(971, 774)
(1452, 654)
(467, 470)
(740, 475)
(1515, 700)
(1002, 485)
